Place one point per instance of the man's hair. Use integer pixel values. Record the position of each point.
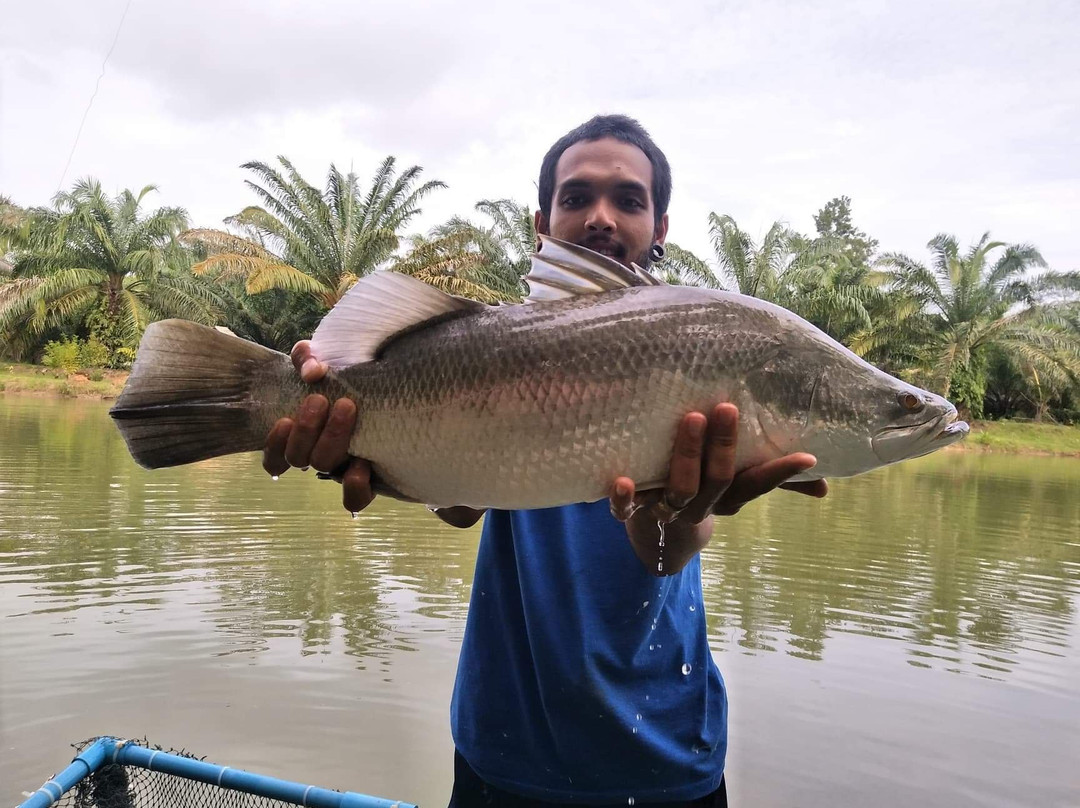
(623, 129)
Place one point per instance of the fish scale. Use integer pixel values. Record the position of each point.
(536, 405)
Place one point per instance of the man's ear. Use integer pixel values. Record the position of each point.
(660, 231)
(542, 227)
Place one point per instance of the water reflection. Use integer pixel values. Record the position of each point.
(972, 561)
(177, 580)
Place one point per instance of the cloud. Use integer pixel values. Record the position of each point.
(931, 116)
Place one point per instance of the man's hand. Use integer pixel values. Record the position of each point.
(319, 438)
(701, 482)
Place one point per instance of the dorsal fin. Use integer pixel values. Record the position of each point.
(561, 269)
(647, 278)
(378, 307)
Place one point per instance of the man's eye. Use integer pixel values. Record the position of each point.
(631, 202)
(572, 201)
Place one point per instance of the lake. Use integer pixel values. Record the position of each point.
(912, 639)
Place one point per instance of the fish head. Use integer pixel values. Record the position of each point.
(921, 422)
(861, 418)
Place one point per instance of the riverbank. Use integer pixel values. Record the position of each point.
(36, 380)
(1023, 437)
(1015, 437)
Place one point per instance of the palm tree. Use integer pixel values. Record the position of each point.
(11, 221)
(97, 265)
(484, 262)
(811, 277)
(681, 267)
(311, 241)
(973, 303)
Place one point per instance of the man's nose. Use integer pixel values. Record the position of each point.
(600, 218)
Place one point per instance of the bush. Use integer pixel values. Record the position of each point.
(92, 354)
(62, 355)
(67, 390)
(96, 375)
(123, 358)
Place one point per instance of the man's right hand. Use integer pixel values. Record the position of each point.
(319, 438)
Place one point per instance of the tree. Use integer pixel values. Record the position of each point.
(12, 219)
(97, 266)
(833, 221)
(974, 303)
(310, 241)
(485, 262)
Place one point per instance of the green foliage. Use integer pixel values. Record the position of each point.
(308, 241)
(834, 222)
(970, 306)
(62, 355)
(968, 387)
(123, 358)
(72, 354)
(98, 265)
(484, 262)
(94, 354)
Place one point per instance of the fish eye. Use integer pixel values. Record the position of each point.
(910, 402)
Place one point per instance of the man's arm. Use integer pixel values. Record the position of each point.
(701, 482)
(319, 438)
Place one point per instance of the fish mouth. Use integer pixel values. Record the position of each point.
(949, 431)
(908, 441)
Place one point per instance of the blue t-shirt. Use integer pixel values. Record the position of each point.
(582, 676)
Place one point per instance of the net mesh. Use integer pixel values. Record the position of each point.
(117, 786)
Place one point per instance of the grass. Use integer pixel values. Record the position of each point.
(42, 381)
(1024, 437)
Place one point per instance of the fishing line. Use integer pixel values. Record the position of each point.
(93, 95)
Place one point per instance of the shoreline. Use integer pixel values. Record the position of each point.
(999, 437)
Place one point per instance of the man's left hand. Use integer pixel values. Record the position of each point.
(701, 482)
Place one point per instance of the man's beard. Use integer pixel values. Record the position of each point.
(645, 260)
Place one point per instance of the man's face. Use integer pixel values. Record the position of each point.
(603, 201)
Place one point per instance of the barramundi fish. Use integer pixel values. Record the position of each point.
(538, 404)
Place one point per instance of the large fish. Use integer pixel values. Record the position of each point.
(529, 406)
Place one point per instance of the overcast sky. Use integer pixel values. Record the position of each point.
(933, 116)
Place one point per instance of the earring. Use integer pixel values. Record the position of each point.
(657, 252)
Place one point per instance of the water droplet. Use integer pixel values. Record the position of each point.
(643, 605)
(630, 801)
(355, 514)
(693, 608)
(659, 566)
(646, 698)
(638, 716)
(652, 647)
(659, 645)
(634, 730)
(275, 478)
(686, 669)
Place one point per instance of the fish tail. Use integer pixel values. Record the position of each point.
(190, 395)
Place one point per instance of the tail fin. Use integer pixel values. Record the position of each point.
(189, 396)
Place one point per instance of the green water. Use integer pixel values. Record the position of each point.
(911, 640)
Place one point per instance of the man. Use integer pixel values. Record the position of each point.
(585, 673)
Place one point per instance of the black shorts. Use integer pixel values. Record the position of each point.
(472, 792)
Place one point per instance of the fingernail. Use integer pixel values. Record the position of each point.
(696, 429)
(621, 489)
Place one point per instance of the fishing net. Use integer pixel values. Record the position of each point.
(118, 786)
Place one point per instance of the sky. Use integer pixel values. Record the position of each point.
(940, 116)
